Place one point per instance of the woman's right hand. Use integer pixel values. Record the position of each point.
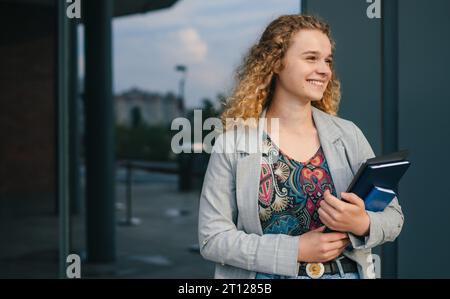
(318, 247)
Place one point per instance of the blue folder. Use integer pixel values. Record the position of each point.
(378, 199)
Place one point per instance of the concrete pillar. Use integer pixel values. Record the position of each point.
(389, 110)
(100, 145)
(74, 122)
(62, 137)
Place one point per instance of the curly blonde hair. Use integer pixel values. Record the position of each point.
(255, 79)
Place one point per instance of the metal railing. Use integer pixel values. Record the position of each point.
(184, 169)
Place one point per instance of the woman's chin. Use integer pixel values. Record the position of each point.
(316, 98)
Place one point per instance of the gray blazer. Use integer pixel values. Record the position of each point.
(229, 228)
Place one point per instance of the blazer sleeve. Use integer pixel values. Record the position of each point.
(219, 239)
(385, 226)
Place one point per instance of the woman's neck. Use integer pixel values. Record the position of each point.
(293, 115)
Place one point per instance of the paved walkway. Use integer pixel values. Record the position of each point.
(163, 245)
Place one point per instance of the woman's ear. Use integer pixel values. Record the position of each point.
(277, 67)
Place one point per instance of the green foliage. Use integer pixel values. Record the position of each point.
(136, 117)
(144, 142)
(153, 143)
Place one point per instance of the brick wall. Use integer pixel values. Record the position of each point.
(27, 98)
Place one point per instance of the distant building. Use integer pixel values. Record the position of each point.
(152, 108)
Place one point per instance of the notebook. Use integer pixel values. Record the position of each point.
(381, 171)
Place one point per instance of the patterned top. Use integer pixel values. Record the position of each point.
(290, 191)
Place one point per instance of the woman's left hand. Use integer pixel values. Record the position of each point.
(339, 215)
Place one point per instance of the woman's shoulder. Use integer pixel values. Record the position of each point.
(350, 134)
(347, 127)
(344, 126)
(355, 140)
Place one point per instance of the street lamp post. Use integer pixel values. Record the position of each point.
(183, 69)
(184, 159)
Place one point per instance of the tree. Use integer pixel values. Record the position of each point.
(136, 117)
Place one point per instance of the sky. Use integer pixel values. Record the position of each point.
(208, 37)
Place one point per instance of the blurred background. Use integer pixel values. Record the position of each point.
(87, 105)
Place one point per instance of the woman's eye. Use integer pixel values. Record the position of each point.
(313, 58)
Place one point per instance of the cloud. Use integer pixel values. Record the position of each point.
(209, 37)
(191, 43)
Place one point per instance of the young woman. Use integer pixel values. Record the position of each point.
(263, 213)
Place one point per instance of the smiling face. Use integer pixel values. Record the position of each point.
(307, 66)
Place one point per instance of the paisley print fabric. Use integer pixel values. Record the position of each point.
(290, 191)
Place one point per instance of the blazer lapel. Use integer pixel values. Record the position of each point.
(249, 150)
(334, 150)
(247, 191)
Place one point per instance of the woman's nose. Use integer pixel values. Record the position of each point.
(324, 68)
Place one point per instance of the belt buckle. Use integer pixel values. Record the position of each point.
(315, 270)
